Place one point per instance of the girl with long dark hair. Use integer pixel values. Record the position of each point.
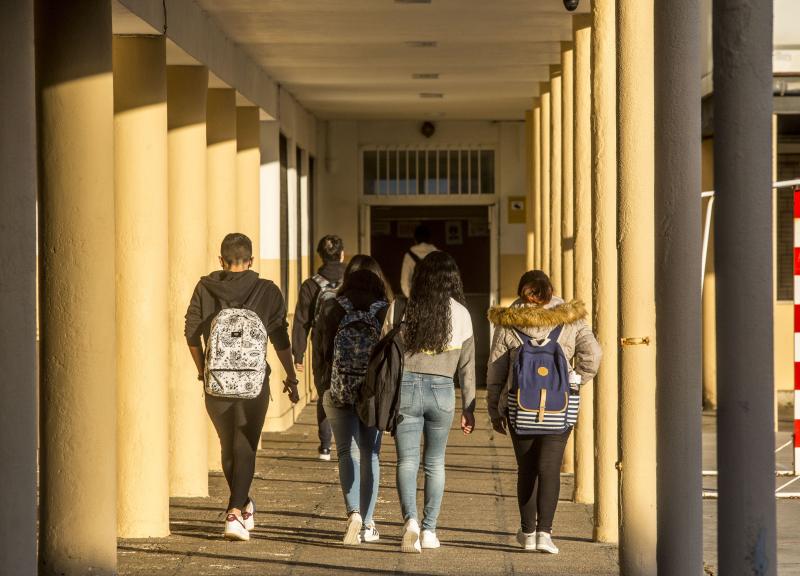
(348, 325)
(437, 331)
(536, 317)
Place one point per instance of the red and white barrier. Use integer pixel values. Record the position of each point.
(797, 331)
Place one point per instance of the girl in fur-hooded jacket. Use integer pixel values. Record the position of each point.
(537, 321)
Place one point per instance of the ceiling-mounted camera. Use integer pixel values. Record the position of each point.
(571, 5)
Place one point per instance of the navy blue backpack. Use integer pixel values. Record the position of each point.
(539, 400)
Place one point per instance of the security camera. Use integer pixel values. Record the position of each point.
(571, 5)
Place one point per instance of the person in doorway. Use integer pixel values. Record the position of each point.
(348, 328)
(439, 343)
(414, 255)
(238, 421)
(313, 292)
(544, 324)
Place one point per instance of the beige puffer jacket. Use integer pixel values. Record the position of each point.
(576, 340)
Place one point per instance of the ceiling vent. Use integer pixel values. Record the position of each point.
(412, 1)
(422, 43)
(431, 95)
(425, 76)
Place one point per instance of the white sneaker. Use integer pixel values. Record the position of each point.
(527, 541)
(545, 544)
(370, 533)
(410, 541)
(234, 529)
(429, 540)
(351, 535)
(248, 515)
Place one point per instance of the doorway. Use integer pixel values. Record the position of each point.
(462, 231)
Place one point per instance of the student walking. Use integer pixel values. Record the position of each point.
(421, 248)
(439, 344)
(349, 326)
(533, 394)
(313, 292)
(232, 313)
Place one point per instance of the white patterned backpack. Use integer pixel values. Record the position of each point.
(236, 354)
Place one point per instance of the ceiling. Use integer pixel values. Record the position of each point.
(352, 59)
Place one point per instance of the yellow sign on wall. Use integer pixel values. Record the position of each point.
(516, 210)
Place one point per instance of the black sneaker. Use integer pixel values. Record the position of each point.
(324, 453)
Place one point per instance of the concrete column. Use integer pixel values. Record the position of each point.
(531, 174)
(222, 203)
(582, 188)
(140, 191)
(78, 456)
(604, 271)
(186, 115)
(567, 224)
(745, 438)
(555, 180)
(567, 190)
(280, 415)
(709, 289)
(678, 255)
(544, 192)
(18, 418)
(537, 187)
(248, 166)
(636, 246)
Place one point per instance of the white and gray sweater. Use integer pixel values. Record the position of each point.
(457, 358)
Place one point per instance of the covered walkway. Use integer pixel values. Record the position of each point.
(301, 520)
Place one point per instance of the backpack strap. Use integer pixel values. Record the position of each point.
(321, 281)
(346, 304)
(524, 338)
(414, 257)
(555, 333)
(377, 306)
(399, 311)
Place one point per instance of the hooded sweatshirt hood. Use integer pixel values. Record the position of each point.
(533, 319)
(233, 288)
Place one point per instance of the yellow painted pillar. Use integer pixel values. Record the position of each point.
(567, 189)
(140, 186)
(582, 189)
(531, 174)
(78, 454)
(544, 216)
(248, 165)
(537, 187)
(637, 359)
(188, 260)
(567, 227)
(709, 286)
(293, 289)
(221, 187)
(604, 271)
(555, 180)
(280, 415)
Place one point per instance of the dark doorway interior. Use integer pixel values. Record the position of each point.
(463, 231)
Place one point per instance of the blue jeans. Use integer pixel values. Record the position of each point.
(427, 405)
(355, 442)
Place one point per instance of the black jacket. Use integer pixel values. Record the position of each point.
(222, 289)
(330, 317)
(306, 303)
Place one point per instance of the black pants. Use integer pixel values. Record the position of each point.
(238, 424)
(538, 478)
(323, 426)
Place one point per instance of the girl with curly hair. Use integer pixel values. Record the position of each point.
(437, 331)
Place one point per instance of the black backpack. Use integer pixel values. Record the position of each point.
(379, 398)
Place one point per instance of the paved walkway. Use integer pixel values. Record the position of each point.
(300, 521)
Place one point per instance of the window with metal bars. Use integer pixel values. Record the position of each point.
(417, 172)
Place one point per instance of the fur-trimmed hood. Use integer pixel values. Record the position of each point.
(525, 316)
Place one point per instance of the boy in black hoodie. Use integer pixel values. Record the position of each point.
(239, 422)
(329, 277)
